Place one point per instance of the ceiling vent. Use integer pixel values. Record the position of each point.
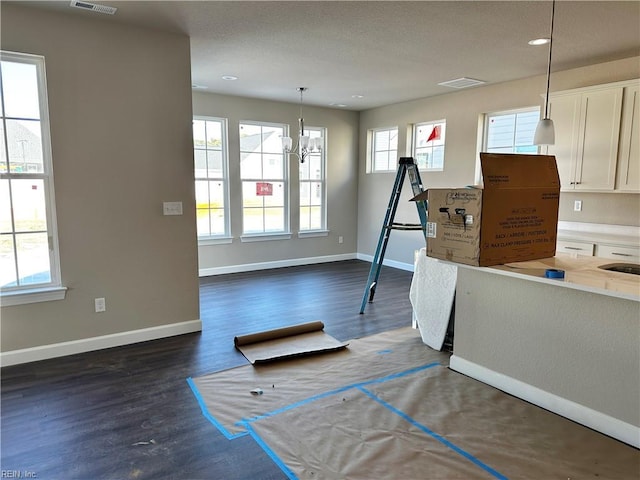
(463, 82)
(94, 7)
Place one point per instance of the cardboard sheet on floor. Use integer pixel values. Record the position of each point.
(388, 407)
(277, 344)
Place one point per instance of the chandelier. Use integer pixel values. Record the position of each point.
(306, 144)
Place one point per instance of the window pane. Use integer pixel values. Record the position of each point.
(5, 207)
(33, 258)
(273, 167)
(250, 137)
(305, 194)
(277, 198)
(7, 262)
(382, 161)
(199, 134)
(217, 221)
(214, 163)
(29, 207)
(274, 219)
(511, 132)
(316, 218)
(305, 223)
(3, 153)
(315, 167)
(25, 146)
(202, 222)
(200, 159)
(20, 86)
(271, 139)
(253, 220)
(250, 165)
(316, 193)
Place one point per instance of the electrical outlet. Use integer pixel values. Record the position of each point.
(172, 208)
(101, 305)
(577, 206)
(340, 239)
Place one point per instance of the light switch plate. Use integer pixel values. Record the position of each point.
(172, 208)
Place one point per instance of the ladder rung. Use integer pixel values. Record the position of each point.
(405, 226)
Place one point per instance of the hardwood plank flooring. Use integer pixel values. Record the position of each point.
(128, 413)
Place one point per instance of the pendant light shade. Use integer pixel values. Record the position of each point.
(545, 132)
(306, 144)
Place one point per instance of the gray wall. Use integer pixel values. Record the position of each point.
(462, 111)
(342, 182)
(120, 111)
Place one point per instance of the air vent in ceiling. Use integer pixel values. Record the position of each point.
(463, 82)
(94, 7)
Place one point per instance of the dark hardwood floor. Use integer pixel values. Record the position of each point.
(128, 413)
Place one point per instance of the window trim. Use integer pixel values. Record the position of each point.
(286, 232)
(53, 290)
(323, 180)
(225, 237)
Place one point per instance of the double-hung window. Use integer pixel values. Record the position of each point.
(384, 149)
(29, 259)
(211, 177)
(428, 145)
(312, 186)
(511, 131)
(265, 185)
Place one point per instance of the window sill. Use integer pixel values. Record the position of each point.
(23, 297)
(313, 233)
(214, 241)
(264, 237)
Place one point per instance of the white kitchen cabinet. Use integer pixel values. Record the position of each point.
(628, 171)
(575, 248)
(587, 124)
(622, 254)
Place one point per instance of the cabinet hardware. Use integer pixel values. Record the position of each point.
(621, 254)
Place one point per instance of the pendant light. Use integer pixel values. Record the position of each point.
(545, 132)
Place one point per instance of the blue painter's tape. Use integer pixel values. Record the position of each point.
(208, 415)
(267, 449)
(554, 273)
(338, 390)
(433, 434)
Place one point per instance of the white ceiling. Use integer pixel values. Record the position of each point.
(387, 51)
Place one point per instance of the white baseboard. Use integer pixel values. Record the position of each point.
(600, 422)
(390, 263)
(294, 262)
(62, 349)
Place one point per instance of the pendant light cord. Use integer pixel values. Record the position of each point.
(546, 104)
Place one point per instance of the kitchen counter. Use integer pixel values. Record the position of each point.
(581, 273)
(570, 346)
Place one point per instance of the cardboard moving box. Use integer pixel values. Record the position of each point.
(512, 219)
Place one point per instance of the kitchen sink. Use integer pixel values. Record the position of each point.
(632, 268)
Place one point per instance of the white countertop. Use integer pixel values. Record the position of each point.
(618, 235)
(581, 273)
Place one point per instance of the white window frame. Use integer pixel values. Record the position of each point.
(392, 154)
(417, 149)
(52, 290)
(513, 146)
(483, 135)
(225, 237)
(321, 155)
(284, 234)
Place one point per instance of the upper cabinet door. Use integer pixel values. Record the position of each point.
(587, 124)
(629, 153)
(598, 142)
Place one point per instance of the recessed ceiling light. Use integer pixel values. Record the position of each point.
(539, 41)
(341, 105)
(357, 96)
(199, 87)
(229, 77)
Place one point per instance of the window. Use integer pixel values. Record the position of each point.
(428, 145)
(263, 170)
(384, 149)
(29, 260)
(511, 131)
(312, 187)
(211, 176)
